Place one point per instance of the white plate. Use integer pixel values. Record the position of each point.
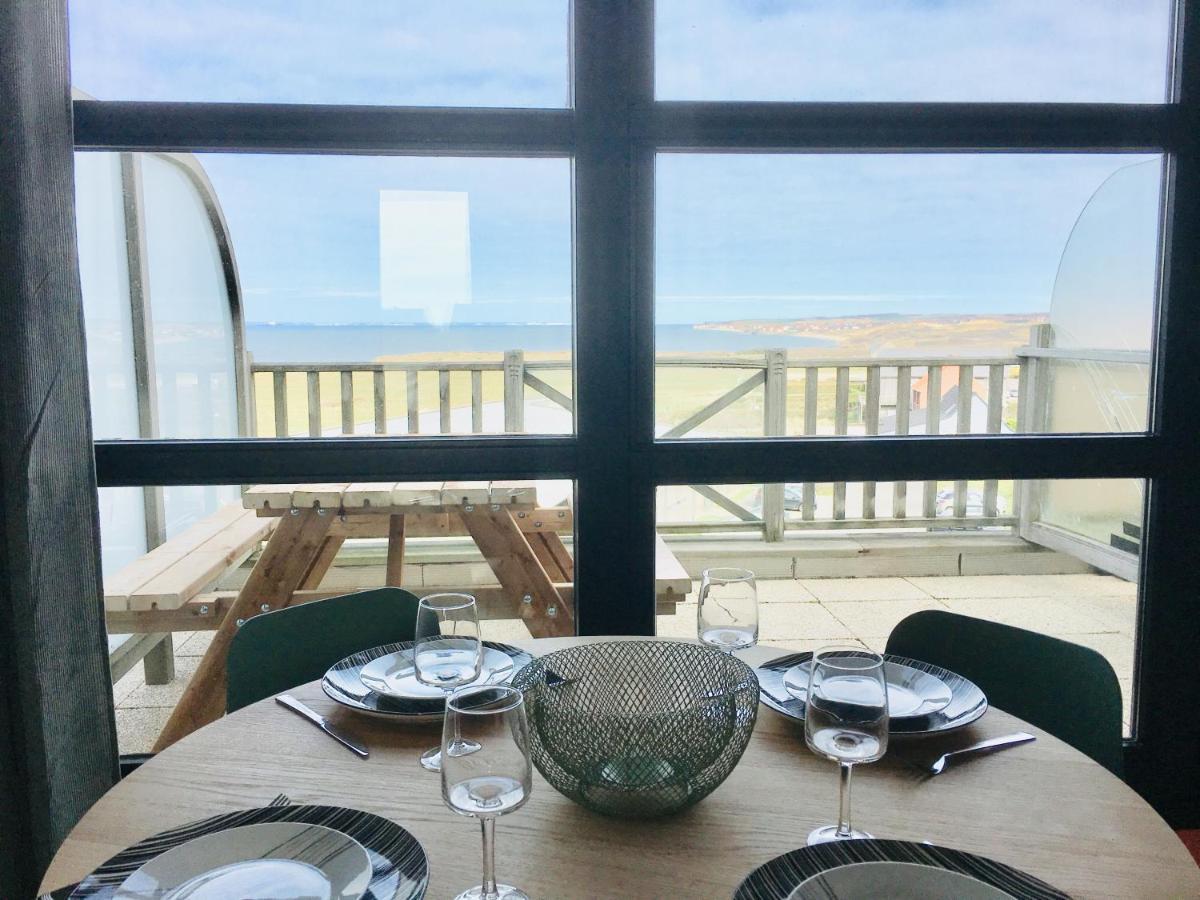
(393, 675)
(274, 861)
(896, 881)
(911, 692)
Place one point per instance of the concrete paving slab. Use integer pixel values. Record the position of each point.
(1049, 615)
(870, 619)
(138, 729)
(851, 590)
(1009, 586)
(799, 621)
(163, 696)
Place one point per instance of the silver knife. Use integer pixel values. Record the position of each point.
(321, 722)
(988, 746)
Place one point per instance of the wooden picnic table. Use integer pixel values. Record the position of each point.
(520, 541)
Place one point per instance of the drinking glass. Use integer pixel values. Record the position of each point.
(447, 651)
(727, 614)
(846, 721)
(486, 769)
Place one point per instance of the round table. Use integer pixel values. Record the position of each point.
(1043, 807)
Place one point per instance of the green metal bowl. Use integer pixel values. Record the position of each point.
(638, 729)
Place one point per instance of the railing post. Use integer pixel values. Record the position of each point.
(1033, 404)
(514, 391)
(774, 425)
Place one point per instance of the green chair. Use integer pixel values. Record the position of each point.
(279, 650)
(1063, 688)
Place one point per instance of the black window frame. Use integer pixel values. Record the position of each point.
(612, 131)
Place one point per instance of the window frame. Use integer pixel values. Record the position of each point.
(612, 130)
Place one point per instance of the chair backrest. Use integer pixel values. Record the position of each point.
(279, 650)
(1063, 688)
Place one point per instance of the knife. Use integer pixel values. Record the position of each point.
(321, 722)
(988, 746)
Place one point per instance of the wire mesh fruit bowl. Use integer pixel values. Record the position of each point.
(638, 729)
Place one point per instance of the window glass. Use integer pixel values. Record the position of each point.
(861, 294)
(838, 563)
(457, 53)
(1113, 51)
(439, 555)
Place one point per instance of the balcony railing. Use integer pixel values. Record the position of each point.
(860, 396)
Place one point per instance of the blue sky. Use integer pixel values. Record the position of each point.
(737, 237)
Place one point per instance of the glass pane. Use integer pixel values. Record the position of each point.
(232, 526)
(842, 562)
(913, 50)
(378, 295)
(845, 294)
(459, 53)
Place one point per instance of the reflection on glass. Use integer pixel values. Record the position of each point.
(909, 50)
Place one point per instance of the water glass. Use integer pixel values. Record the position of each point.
(447, 650)
(846, 721)
(727, 614)
(486, 769)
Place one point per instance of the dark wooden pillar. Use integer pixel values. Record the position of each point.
(57, 734)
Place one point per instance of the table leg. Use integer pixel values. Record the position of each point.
(395, 551)
(519, 571)
(287, 558)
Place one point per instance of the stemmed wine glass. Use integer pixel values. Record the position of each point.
(486, 769)
(846, 721)
(447, 650)
(727, 614)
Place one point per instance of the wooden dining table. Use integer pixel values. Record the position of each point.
(1042, 807)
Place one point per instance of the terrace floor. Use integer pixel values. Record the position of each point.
(801, 614)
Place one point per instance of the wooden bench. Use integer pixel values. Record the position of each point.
(149, 598)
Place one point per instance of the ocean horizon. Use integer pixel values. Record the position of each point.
(298, 342)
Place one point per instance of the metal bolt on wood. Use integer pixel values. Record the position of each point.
(266, 607)
(527, 599)
(240, 622)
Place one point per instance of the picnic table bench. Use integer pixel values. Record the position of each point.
(305, 527)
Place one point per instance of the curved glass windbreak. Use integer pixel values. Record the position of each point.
(104, 281)
(1102, 312)
(1113, 51)
(445, 53)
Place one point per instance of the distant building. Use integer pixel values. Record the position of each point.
(920, 389)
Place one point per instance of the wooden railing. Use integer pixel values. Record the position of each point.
(828, 397)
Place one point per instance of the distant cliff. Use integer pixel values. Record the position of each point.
(899, 335)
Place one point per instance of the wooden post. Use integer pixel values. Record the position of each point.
(476, 401)
(281, 410)
(903, 408)
(995, 420)
(871, 427)
(841, 418)
(347, 402)
(774, 425)
(933, 425)
(808, 503)
(514, 391)
(379, 389)
(285, 562)
(1033, 405)
(414, 401)
(966, 395)
(313, 377)
(394, 575)
(444, 402)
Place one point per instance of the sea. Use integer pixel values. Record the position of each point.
(290, 342)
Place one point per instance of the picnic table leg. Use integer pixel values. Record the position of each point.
(395, 551)
(519, 571)
(324, 559)
(287, 558)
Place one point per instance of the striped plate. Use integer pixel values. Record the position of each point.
(780, 878)
(399, 869)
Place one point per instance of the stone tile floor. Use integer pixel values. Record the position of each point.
(1095, 610)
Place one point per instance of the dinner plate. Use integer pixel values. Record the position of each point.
(343, 683)
(911, 692)
(896, 881)
(967, 701)
(394, 675)
(852, 870)
(399, 868)
(281, 860)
